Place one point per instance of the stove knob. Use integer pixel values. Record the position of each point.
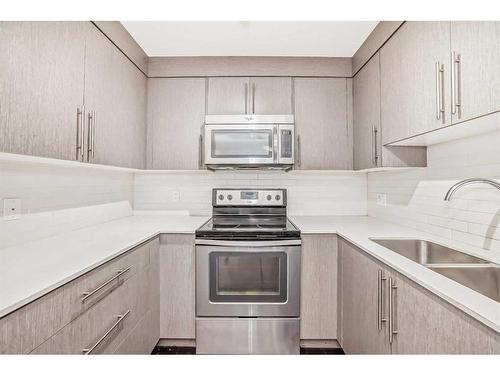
(221, 197)
(269, 197)
(229, 197)
(277, 197)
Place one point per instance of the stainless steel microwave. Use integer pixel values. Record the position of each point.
(249, 141)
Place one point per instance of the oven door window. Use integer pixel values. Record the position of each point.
(239, 143)
(248, 277)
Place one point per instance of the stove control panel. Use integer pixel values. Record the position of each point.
(249, 197)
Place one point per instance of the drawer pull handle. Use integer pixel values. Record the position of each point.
(108, 332)
(87, 295)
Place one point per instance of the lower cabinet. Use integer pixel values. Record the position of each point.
(109, 308)
(177, 286)
(414, 322)
(318, 295)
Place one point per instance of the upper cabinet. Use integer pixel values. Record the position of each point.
(322, 122)
(415, 75)
(67, 92)
(255, 95)
(475, 52)
(176, 111)
(115, 104)
(368, 149)
(41, 87)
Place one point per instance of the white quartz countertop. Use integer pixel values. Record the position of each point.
(32, 269)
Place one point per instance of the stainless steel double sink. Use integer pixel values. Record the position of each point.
(475, 273)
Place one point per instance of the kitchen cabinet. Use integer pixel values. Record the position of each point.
(177, 286)
(476, 46)
(68, 319)
(239, 95)
(115, 104)
(426, 324)
(415, 76)
(176, 113)
(364, 330)
(318, 292)
(368, 149)
(322, 126)
(384, 312)
(41, 87)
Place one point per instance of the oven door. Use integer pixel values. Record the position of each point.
(248, 279)
(240, 144)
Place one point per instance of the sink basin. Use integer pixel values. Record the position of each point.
(484, 279)
(426, 252)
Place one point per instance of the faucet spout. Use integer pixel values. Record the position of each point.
(469, 181)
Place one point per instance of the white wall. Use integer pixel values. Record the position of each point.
(415, 197)
(309, 193)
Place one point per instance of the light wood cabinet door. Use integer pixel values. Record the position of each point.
(323, 129)
(360, 303)
(478, 73)
(177, 286)
(428, 325)
(409, 82)
(176, 110)
(366, 104)
(228, 95)
(41, 87)
(115, 91)
(318, 293)
(271, 95)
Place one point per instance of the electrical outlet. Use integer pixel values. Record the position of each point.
(382, 199)
(11, 208)
(176, 196)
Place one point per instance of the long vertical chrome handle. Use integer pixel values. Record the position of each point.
(380, 299)
(375, 152)
(392, 330)
(200, 151)
(246, 98)
(90, 134)
(439, 91)
(94, 126)
(79, 134)
(253, 97)
(275, 144)
(107, 333)
(299, 158)
(455, 84)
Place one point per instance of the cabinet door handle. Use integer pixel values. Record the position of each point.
(439, 91)
(374, 145)
(456, 84)
(253, 97)
(90, 133)
(200, 151)
(246, 98)
(299, 158)
(94, 126)
(79, 133)
(392, 326)
(380, 300)
(87, 295)
(119, 319)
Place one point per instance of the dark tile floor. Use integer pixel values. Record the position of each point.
(192, 350)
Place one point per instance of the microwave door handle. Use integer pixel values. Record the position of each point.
(275, 144)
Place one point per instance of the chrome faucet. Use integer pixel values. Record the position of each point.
(469, 181)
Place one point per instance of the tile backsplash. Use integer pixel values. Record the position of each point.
(309, 193)
(415, 197)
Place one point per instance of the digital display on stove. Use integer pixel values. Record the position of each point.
(249, 195)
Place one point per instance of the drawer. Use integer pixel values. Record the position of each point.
(31, 325)
(104, 326)
(143, 337)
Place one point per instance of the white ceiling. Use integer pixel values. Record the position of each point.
(249, 38)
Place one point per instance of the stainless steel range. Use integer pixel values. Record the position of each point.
(248, 275)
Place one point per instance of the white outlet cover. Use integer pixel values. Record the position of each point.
(11, 208)
(176, 196)
(382, 199)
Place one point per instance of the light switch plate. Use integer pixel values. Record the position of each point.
(382, 199)
(176, 196)
(11, 208)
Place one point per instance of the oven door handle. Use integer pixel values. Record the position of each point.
(272, 243)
